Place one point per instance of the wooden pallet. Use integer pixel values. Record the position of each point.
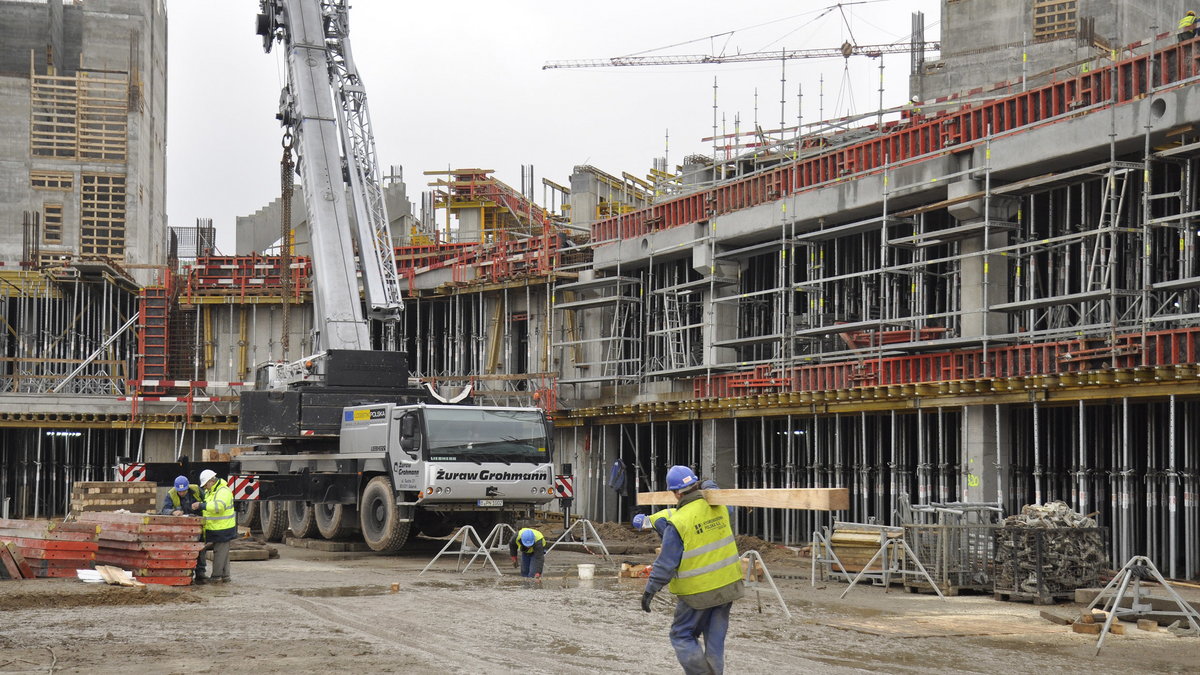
(89, 496)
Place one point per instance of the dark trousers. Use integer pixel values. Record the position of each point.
(527, 565)
(220, 551)
(691, 624)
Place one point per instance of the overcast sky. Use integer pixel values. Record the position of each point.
(458, 85)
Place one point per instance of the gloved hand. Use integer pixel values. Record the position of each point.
(646, 598)
(514, 562)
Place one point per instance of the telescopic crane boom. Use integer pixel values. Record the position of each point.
(324, 106)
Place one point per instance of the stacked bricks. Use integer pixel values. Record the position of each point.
(50, 548)
(138, 497)
(155, 549)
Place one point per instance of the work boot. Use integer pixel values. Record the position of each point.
(199, 581)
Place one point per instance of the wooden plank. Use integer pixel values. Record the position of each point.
(44, 554)
(142, 564)
(177, 554)
(167, 581)
(7, 533)
(153, 545)
(183, 525)
(50, 545)
(140, 518)
(137, 536)
(813, 499)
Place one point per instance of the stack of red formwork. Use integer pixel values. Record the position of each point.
(51, 548)
(155, 549)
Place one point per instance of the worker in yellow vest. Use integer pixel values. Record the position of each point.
(531, 544)
(220, 523)
(178, 502)
(1187, 26)
(699, 563)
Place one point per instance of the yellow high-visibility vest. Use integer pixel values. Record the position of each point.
(193, 489)
(537, 536)
(218, 507)
(710, 556)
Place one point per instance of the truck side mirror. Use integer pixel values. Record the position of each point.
(409, 432)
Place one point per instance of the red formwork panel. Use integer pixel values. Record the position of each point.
(1122, 82)
(1160, 348)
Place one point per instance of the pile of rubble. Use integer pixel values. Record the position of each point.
(1047, 552)
(1054, 514)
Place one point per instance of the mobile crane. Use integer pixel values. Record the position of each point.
(341, 436)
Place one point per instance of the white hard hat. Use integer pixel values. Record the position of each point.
(207, 475)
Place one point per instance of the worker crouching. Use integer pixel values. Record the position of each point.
(699, 563)
(531, 544)
(220, 523)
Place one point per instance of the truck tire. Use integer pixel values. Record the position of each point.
(249, 518)
(301, 520)
(274, 520)
(336, 521)
(382, 528)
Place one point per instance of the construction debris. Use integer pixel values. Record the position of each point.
(1046, 552)
(49, 548)
(134, 496)
(155, 549)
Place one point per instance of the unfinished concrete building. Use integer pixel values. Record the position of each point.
(994, 297)
(82, 167)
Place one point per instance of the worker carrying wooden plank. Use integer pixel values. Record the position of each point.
(699, 563)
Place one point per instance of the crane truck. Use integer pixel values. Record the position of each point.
(341, 441)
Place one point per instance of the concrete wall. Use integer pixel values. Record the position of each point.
(981, 41)
(118, 35)
(259, 231)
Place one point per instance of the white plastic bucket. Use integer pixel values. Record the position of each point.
(586, 570)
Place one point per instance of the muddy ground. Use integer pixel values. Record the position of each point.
(311, 611)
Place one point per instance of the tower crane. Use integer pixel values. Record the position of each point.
(845, 51)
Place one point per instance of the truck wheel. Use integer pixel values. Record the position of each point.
(301, 521)
(336, 521)
(249, 518)
(380, 519)
(274, 520)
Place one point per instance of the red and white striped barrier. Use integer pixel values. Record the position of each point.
(176, 399)
(131, 472)
(244, 487)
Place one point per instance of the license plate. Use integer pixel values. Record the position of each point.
(490, 502)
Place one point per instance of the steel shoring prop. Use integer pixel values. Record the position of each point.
(584, 525)
(465, 533)
(1139, 567)
(753, 560)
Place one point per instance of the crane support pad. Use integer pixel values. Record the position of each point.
(812, 499)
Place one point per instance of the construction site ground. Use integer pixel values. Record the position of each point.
(311, 611)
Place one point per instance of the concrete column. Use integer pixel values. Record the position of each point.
(983, 283)
(722, 323)
(584, 198)
(716, 451)
(986, 452)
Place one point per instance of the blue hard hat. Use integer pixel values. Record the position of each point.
(680, 477)
(181, 483)
(527, 537)
(639, 521)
